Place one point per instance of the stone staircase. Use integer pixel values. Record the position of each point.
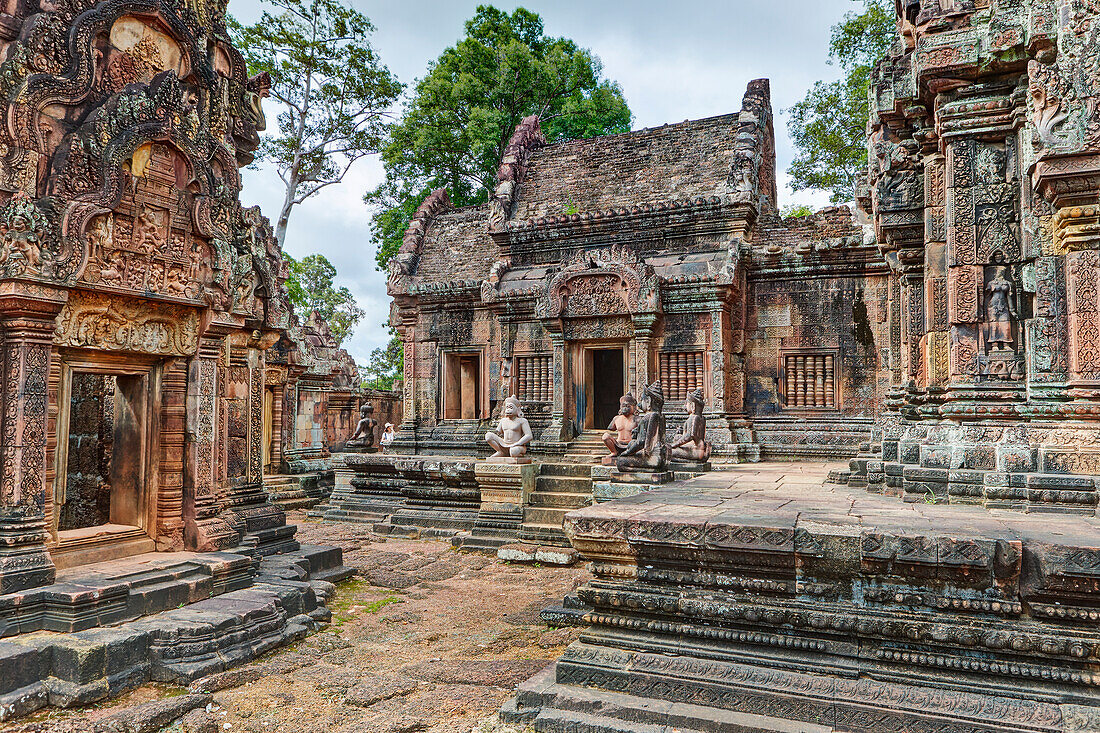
(294, 491)
(587, 448)
(559, 488)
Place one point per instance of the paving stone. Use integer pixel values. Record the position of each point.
(517, 553)
(556, 555)
(153, 716)
(374, 688)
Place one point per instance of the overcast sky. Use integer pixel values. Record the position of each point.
(674, 60)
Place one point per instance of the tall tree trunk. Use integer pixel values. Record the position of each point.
(284, 215)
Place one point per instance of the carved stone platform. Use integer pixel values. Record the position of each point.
(609, 483)
(167, 617)
(760, 599)
(505, 486)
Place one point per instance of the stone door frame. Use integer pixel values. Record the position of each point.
(79, 547)
(581, 355)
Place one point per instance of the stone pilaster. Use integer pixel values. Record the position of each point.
(204, 530)
(560, 428)
(27, 326)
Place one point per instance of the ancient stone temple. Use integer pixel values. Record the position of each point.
(953, 583)
(138, 301)
(600, 265)
(596, 268)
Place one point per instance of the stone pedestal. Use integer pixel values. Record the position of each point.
(609, 483)
(505, 485)
(367, 488)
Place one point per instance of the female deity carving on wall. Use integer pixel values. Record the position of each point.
(1000, 313)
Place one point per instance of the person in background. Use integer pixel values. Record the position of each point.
(387, 436)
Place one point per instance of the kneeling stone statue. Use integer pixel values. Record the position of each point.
(514, 432)
(363, 437)
(691, 443)
(647, 450)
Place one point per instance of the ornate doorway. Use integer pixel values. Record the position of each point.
(105, 487)
(603, 380)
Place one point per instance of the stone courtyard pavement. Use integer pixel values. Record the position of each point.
(424, 638)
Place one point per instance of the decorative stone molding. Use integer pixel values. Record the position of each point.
(116, 323)
(526, 138)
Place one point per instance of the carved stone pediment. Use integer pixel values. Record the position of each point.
(604, 282)
(118, 323)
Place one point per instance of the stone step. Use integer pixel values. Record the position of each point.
(552, 516)
(112, 592)
(563, 484)
(559, 500)
(567, 470)
(543, 534)
(548, 707)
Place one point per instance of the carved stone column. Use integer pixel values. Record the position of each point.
(643, 348)
(27, 325)
(560, 428)
(1072, 184)
(204, 529)
(245, 504)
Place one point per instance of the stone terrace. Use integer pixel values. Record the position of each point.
(761, 596)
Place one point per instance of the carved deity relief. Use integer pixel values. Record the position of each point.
(900, 183)
(22, 230)
(138, 51)
(1001, 317)
(604, 282)
(148, 244)
(118, 323)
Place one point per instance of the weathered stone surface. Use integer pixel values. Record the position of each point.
(153, 716)
(373, 688)
(764, 594)
(517, 553)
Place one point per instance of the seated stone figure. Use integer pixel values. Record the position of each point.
(619, 431)
(363, 437)
(691, 444)
(647, 450)
(514, 432)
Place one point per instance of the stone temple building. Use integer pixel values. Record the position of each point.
(600, 265)
(138, 304)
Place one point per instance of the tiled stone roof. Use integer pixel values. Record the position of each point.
(457, 246)
(678, 161)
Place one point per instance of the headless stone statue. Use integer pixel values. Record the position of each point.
(647, 450)
(363, 437)
(691, 444)
(620, 430)
(514, 432)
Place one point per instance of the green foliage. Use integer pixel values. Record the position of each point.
(311, 289)
(796, 211)
(332, 90)
(463, 112)
(829, 125)
(386, 365)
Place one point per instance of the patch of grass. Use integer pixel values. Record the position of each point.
(381, 603)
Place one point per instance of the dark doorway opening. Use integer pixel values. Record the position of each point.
(105, 466)
(607, 385)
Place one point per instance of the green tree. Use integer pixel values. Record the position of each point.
(311, 289)
(463, 112)
(386, 365)
(796, 210)
(333, 93)
(829, 125)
